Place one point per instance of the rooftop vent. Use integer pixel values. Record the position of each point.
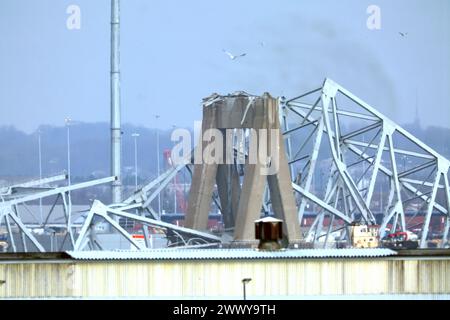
(268, 231)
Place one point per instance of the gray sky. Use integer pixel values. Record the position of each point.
(171, 57)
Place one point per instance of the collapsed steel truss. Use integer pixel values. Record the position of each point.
(361, 149)
(370, 170)
(137, 207)
(15, 199)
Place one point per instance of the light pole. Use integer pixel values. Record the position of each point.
(381, 198)
(404, 162)
(244, 283)
(116, 131)
(40, 172)
(157, 116)
(175, 185)
(67, 120)
(364, 166)
(135, 136)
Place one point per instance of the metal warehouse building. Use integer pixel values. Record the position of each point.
(218, 273)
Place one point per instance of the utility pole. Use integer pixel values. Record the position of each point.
(175, 184)
(116, 133)
(67, 121)
(157, 116)
(135, 136)
(40, 173)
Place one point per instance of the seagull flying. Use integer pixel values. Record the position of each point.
(232, 56)
(403, 34)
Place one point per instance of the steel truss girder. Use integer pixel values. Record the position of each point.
(342, 199)
(9, 208)
(106, 212)
(330, 114)
(19, 188)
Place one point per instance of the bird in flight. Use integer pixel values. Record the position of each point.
(232, 56)
(403, 34)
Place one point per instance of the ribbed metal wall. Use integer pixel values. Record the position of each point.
(222, 278)
(36, 280)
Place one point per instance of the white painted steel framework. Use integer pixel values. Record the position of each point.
(14, 200)
(370, 170)
(348, 163)
(138, 208)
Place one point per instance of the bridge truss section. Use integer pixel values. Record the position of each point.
(350, 163)
(138, 209)
(15, 202)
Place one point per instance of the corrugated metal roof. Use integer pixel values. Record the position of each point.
(223, 254)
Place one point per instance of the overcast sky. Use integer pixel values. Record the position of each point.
(171, 57)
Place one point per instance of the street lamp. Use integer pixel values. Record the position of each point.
(364, 182)
(175, 206)
(135, 136)
(67, 120)
(40, 172)
(244, 283)
(405, 161)
(157, 159)
(381, 198)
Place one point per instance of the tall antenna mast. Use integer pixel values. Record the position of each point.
(115, 103)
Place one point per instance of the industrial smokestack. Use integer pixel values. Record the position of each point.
(115, 103)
